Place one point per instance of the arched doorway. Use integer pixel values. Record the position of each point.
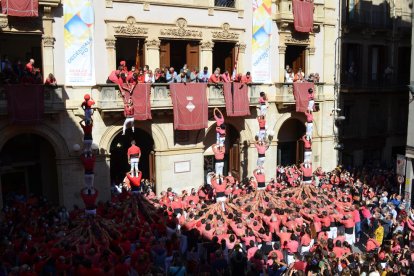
(232, 157)
(28, 166)
(289, 146)
(119, 160)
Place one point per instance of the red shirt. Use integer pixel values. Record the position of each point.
(89, 200)
(261, 149)
(134, 151)
(87, 129)
(220, 188)
(29, 68)
(259, 177)
(246, 79)
(135, 181)
(219, 153)
(129, 111)
(214, 79)
(307, 143)
(306, 171)
(88, 162)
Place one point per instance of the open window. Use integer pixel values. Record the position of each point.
(295, 57)
(176, 53)
(224, 55)
(131, 50)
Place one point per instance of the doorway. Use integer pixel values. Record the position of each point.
(176, 53)
(224, 55)
(119, 160)
(29, 167)
(131, 50)
(295, 58)
(290, 146)
(232, 156)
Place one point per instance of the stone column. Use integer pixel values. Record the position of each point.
(48, 43)
(282, 52)
(310, 52)
(240, 63)
(206, 55)
(152, 53)
(111, 54)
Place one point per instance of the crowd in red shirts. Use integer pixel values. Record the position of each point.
(344, 223)
(127, 78)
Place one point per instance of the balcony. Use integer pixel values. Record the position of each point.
(110, 99)
(284, 12)
(53, 100)
(284, 93)
(368, 18)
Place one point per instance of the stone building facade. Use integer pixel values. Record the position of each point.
(177, 159)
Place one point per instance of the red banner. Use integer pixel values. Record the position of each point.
(301, 94)
(141, 97)
(303, 16)
(25, 103)
(21, 8)
(237, 99)
(190, 105)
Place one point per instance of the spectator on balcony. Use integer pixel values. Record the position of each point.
(352, 73)
(238, 78)
(171, 75)
(299, 76)
(247, 78)
(51, 80)
(193, 75)
(159, 76)
(388, 73)
(5, 64)
(130, 73)
(204, 75)
(216, 77)
(316, 78)
(133, 80)
(30, 67)
(226, 76)
(182, 77)
(18, 68)
(149, 77)
(141, 76)
(289, 76)
(114, 76)
(124, 69)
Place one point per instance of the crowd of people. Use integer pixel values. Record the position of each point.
(299, 76)
(344, 223)
(20, 73)
(126, 78)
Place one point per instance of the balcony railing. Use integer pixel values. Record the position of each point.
(284, 93)
(110, 99)
(53, 100)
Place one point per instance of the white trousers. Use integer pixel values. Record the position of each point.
(90, 212)
(309, 129)
(260, 161)
(263, 110)
(87, 145)
(308, 155)
(134, 166)
(126, 122)
(220, 140)
(333, 232)
(88, 180)
(262, 134)
(311, 105)
(350, 238)
(290, 259)
(219, 168)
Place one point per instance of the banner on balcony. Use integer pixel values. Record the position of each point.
(303, 16)
(190, 105)
(20, 8)
(301, 94)
(79, 40)
(141, 97)
(237, 99)
(25, 103)
(262, 30)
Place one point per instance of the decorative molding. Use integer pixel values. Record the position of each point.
(50, 3)
(4, 22)
(48, 41)
(131, 28)
(242, 47)
(110, 43)
(153, 44)
(207, 46)
(225, 34)
(210, 11)
(282, 49)
(294, 40)
(181, 31)
(146, 6)
(240, 14)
